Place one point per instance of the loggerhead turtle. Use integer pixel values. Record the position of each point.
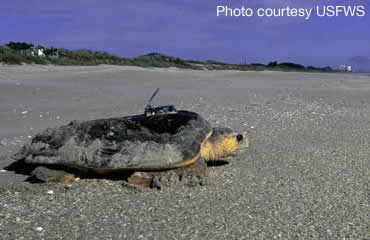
(137, 148)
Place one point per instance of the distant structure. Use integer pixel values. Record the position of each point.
(40, 52)
(34, 51)
(345, 68)
(27, 49)
(37, 51)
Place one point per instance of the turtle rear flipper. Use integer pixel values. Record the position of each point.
(51, 175)
(22, 153)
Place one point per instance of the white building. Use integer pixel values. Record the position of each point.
(40, 52)
(34, 51)
(345, 68)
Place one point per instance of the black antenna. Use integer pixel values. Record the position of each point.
(149, 108)
(152, 97)
(160, 110)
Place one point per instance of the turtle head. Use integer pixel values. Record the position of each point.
(223, 144)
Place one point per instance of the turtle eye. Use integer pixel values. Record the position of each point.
(239, 137)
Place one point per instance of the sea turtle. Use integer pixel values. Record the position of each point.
(137, 148)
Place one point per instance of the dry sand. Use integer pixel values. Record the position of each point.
(306, 174)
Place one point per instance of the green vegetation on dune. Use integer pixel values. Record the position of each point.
(20, 52)
(83, 57)
(11, 56)
(162, 61)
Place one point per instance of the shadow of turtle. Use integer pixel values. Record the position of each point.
(218, 163)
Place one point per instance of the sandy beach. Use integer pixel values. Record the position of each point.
(305, 176)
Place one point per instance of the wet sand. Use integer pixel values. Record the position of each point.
(305, 175)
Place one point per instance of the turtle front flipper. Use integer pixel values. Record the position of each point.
(141, 178)
(223, 145)
(192, 175)
(51, 175)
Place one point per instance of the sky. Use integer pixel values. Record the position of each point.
(191, 29)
